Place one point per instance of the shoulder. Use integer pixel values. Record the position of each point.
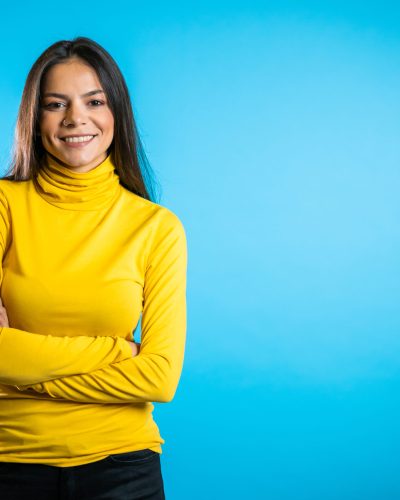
(4, 186)
(13, 193)
(4, 193)
(9, 188)
(160, 217)
(5, 217)
(167, 225)
(167, 218)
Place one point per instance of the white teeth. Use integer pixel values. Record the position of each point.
(83, 138)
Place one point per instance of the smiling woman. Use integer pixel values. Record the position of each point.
(85, 252)
(75, 127)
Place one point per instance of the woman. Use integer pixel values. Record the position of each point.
(85, 252)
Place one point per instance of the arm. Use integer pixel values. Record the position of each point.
(5, 235)
(29, 358)
(152, 375)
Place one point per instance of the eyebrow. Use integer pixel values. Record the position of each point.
(63, 96)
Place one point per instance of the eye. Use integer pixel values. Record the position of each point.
(96, 102)
(53, 105)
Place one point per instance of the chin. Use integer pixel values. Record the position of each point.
(79, 160)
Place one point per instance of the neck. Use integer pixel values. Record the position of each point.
(67, 188)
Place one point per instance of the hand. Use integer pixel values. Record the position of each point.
(3, 315)
(135, 348)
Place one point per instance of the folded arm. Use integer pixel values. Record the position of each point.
(152, 375)
(31, 358)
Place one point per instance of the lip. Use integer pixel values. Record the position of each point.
(77, 144)
(75, 135)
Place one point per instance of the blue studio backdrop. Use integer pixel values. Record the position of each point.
(273, 129)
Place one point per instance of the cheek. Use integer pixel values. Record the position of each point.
(108, 124)
(108, 131)
(47, 127)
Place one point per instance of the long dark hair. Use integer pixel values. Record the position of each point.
(127, 151)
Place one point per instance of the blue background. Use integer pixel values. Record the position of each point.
(273, 128)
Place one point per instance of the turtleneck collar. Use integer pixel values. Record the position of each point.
(64, 188)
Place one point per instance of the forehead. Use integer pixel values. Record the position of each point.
(70, 76)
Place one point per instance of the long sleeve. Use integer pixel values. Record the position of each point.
(85, 263)
(153, 375)
(29, 358)
(5, 233)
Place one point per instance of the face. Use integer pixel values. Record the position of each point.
(76, 123)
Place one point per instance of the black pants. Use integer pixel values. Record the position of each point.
(135, 475)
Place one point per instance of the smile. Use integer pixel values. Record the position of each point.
(78, 139)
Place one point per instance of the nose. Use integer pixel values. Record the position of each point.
(74, 115)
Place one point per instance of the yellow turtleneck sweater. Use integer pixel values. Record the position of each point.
(82, 259)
